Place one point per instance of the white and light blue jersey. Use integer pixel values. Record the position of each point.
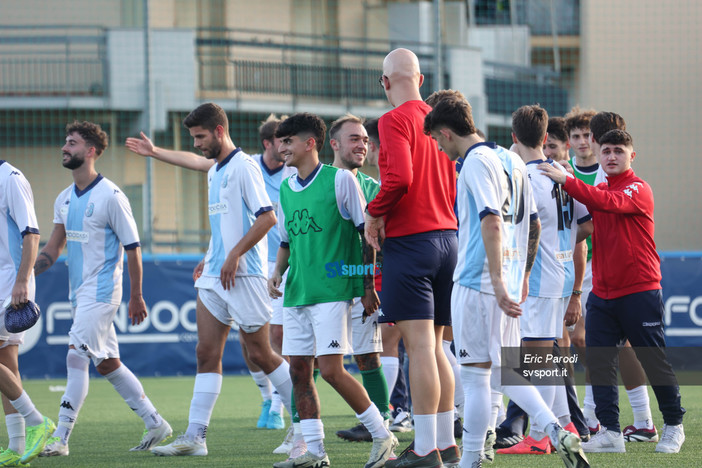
(272, 179)
(236, 197)
(553, 273)
(493, 181)
(18, 219)
(99, 226)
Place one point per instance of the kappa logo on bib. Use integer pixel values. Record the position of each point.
(218, 208)
(77, 236)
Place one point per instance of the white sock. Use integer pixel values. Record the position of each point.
(313, 432)
(390, 366)
(640, 405)
(131, 390)
(15, 432)
(280, 378)
(589, 408)
(470, 458)
(264, 385)
(458, 389)
(529, 399)
(276, 403)
(74, 396)
(373, 420)
(548, 394)
(444, 430)
(205, 392)
(560, 406)
(476, 420)
(495, 405)
(424, 433)
(27, 410)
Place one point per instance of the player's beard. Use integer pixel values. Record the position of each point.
(74, 162)
(213, 151)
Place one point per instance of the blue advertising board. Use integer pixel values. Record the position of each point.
(164, 344)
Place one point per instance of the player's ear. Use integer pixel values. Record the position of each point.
(514, 138)
(633, 155)
(334, 144)
(545, 138)
(445, 132)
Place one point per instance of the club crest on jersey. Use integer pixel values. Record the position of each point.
(89, 210)
(225, 181)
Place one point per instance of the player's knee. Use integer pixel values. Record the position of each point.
(77, 359)
(207, 353)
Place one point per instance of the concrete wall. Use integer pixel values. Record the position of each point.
(640, 58)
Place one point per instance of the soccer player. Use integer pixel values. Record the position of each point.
(626, 295)
(231, 279)
(18, 251)
(498, 238)
(557, 141)
(564, 222)
(412, 217)
(349, 140)
(320, 214)
(93, 219)
(273, 171)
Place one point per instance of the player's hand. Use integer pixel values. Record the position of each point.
(370, 302)
(274, 283)
(199, 268)
(20, 294)
(573, 311)
(143, 146)
(137, 309)
(577, 337)
(566, 165)
(228, 272)
(375, 231)
(552, 173)
(508, 306)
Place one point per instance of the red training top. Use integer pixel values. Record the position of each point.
(624, 259)
(418, 183)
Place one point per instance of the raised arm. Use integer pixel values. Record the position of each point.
(145, 147)
(51, 250)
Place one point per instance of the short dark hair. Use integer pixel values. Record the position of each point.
(338, 123)
(372, 129)
(602, 122)
(529, 125)
(617, 137)
(303, 123)
(207, 116)
(578, 118)
(451, 112)
(268, 127)
(91, 132)
(437, 96)
(557, 129)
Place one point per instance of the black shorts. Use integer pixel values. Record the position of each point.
(418, 277)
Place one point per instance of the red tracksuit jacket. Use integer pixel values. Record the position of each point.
(624, 257)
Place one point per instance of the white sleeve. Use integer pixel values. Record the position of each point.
(349, 197)
(281, 221)
(253, 189)
(600, 177)
(20, 201)
(122, 221)
(61, 207)
(483, 184)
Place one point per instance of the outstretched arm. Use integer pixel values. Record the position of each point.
(145, 147)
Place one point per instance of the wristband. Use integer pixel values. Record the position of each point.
(577, 292)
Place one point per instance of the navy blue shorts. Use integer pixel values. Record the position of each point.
(418, 277)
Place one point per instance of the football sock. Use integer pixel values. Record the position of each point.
(444, 430)
(640, 405)
(264, 385)
(131, 390)
(313, 432)
(27, 410)
(373, 420)
(458, 388)
(280, 378)
(560, 406)
(529, 399)
(476, 419)
(205, 392)
(74, 396)
(390, 366)
(425, 433)
(15, 432)
(377, 388)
